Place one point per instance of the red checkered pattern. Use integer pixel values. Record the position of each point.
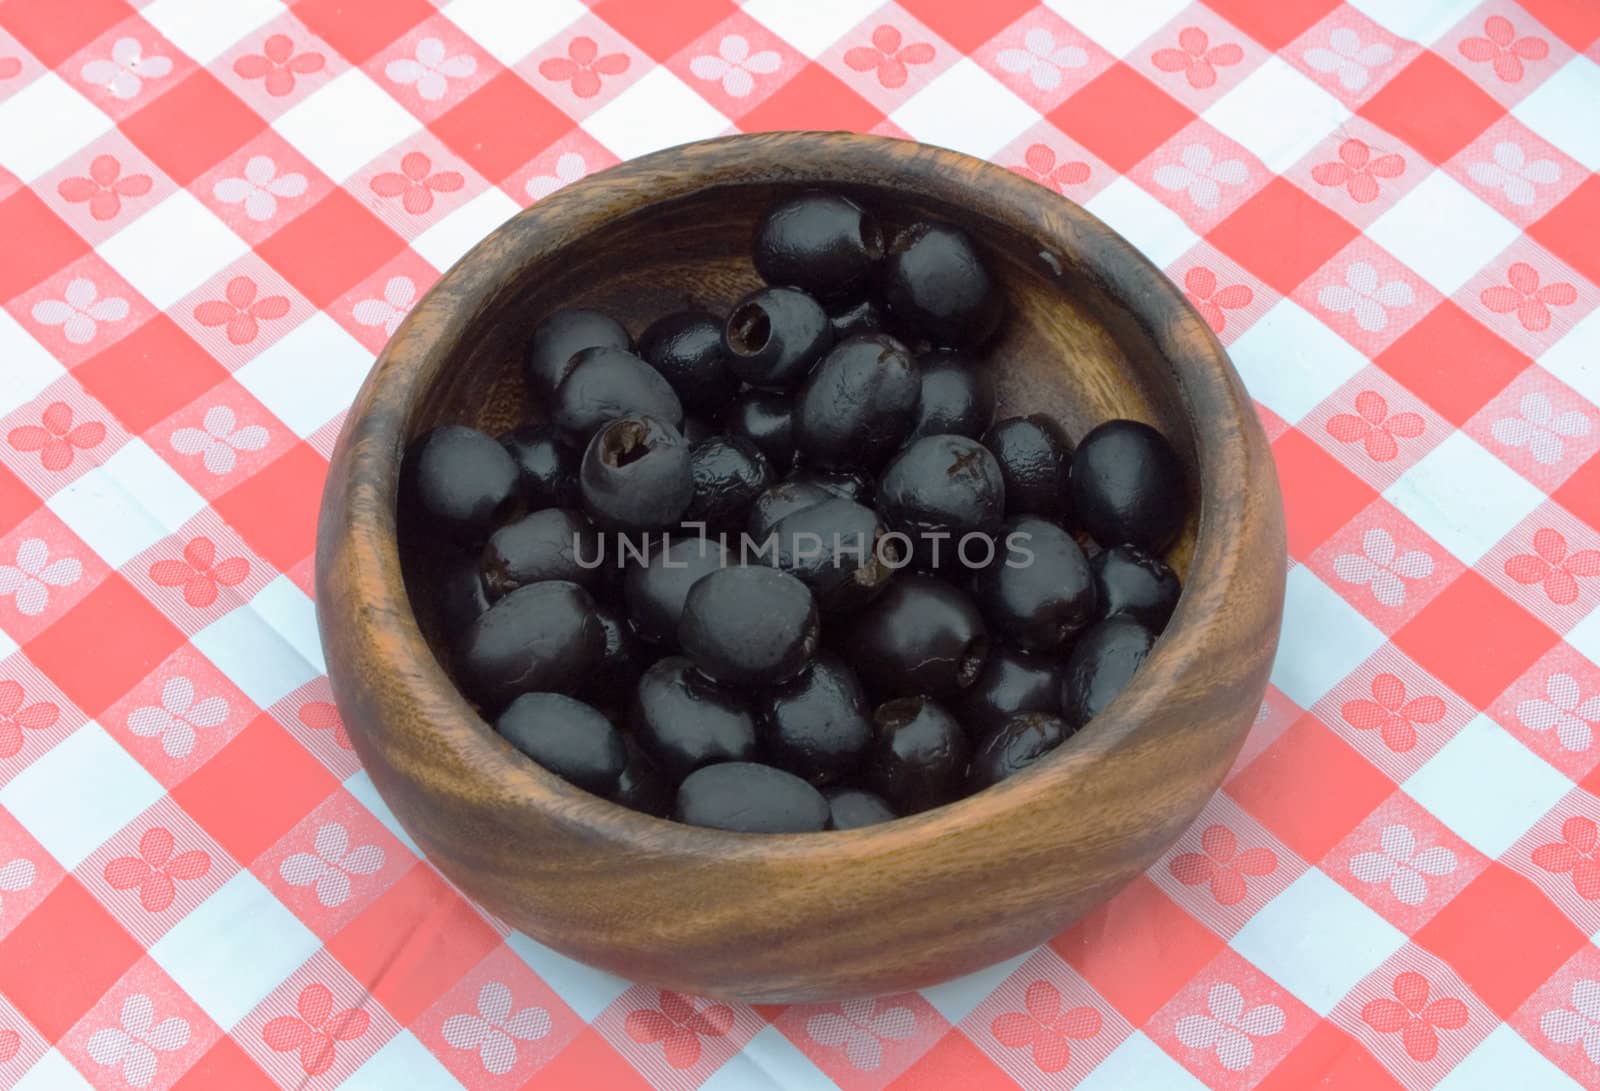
(213, 214)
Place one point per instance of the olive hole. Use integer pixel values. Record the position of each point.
(901, 710)
(749, 329)
(908, 238)
(624, 444)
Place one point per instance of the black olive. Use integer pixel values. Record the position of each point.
(729, 473)
(1128, 486)
(1100, 666)
(850, 484)
(864, 317)
(956, 396)
(919, 754)
(1011, 682)
(936, 282)
(684, 720)
(562, 335)
(605, 384)
(748, 798)
(921, 635)
(459, 482)
(853, 808)
(569, 738)
(749, 626)
(1133, 582)
(549, 468)
(835, 549)
(781, 501)
(636, 475)
(765, 419)
(1034, 458)
(821, 243)
(939, 490)
(623, 660)
(816, 726)
(643, 786)
(461, 597)
(1040, 593)
(553, 544)
(687, 349)
(774, 335)
(858, 404)
(544, 637)
(655, 590)
(1013, 746)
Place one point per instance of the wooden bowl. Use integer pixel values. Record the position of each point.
(1094, 331)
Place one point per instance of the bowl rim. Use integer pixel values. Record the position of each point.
(360, 520)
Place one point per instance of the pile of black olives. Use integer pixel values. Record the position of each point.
(780, 570)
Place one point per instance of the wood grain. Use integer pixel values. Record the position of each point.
(1094, 331)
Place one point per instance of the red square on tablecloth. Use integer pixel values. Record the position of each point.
(590, 1061)
(662, 29)
(1580, 494)
(968, 26)
(92, 670)
(63, 957)
(276, 509)
(1474, 639)
(17, 501)
(1576, 21)
(190, 128)
(1255, 235)
(954, 1061)
(225, 1065)
(1457, 109)
(334, 244)
(1276, 23)
(814, 99)
(37, 243)
(150, 374)
(1319, 494)
(1330, 1059)
(476, 128)
(40, 25)
(359, 28)
(1569, 228)
(1452, 362)
(1121, 116)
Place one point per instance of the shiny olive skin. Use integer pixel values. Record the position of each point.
(684, 721)
(749, 626)
(864, 317)
(858, 404)
(853, 808)
(1012, 681)
(942, 484)
(745, 797)
(817, 725)
(781, 501)
(1034, 458)
(921, 635)
(1100, 666)
(643, 786)
(542, 545)
(603, 385)
(622, 661)
(1128, 486)
(1041, 592)
(460, 483)
(1013, 746)
(544, 637)
(936, 282)
(833, 548)
(686, 348)
(1138, 584)
(854, 485)
(654, 591)
(821, 243)
(956, 395)
(571, 739)
(636, 474)
(918, 757)
(729, 473)
(562, 335)
(461, 596)
(549, 467)
(774, 335)
(765, 419)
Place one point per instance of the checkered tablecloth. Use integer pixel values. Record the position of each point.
(212, 214)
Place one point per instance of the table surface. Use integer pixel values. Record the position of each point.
(213, 213)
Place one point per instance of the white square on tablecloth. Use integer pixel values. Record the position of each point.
(346, 124)
(1155, 230)
(308, 376)
(1317, 940)
(1117, 25)
(811, 27)
(1565, 110)
(234, 948)
(1443, 232)
(293, 616)
(53, 1072)
(1487, 786)
(1324, 638)
(967, 109)
(1415, 20)
(7, 645)
(43, 123)
(29, 367)
(1277, 114)
(255, 658)
(403, 1062)
(782, 1060)
(172, 249)
(1505, 1060)
(955, 999)
(585, 990)
(741, 1073)
(443, 243)
(1463, 497)
(511, 29)
(205, 29)
(360, 785)
(78, 794)
(144, 475)
(1138, 1064)
(1290, 362)
(1575, 359)
(111, 521)
(658, 111)
(1585, 636)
